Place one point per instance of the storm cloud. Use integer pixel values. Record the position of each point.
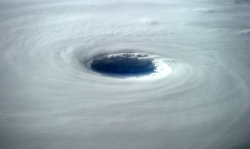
(49, 99)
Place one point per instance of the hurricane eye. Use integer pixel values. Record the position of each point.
(123, 64)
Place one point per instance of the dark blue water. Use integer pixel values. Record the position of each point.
(123, 65)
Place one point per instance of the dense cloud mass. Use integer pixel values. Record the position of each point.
(50, 100)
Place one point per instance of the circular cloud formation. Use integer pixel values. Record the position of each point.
(64, 83)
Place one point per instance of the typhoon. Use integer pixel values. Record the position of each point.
(124, 74)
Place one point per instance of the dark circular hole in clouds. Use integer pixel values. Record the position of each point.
(123, 64)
